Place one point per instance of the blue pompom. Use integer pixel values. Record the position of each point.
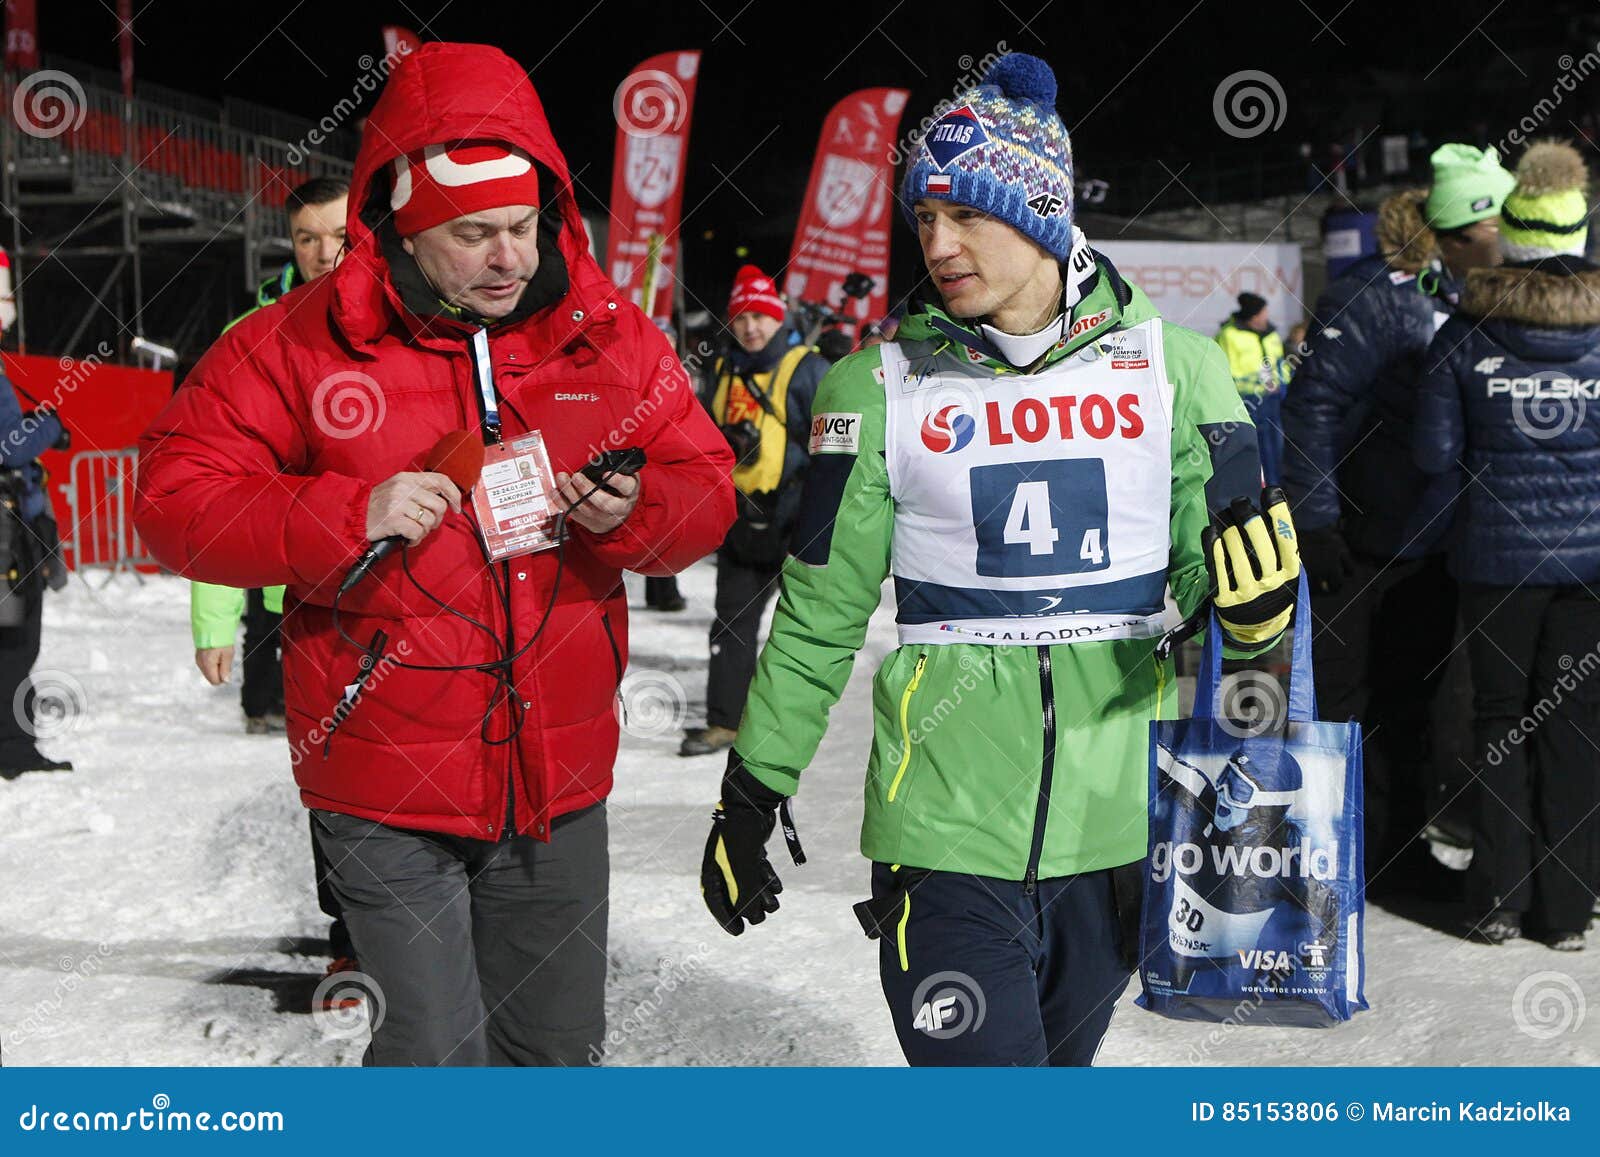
(1022, 77)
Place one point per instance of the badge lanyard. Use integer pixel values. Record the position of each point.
(483, 374)
(513, 497)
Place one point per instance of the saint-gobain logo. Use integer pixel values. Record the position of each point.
(948, 1004)
(948, 429)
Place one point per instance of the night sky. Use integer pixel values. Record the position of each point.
(1135, 82)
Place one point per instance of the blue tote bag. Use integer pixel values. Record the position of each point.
(1254, 882)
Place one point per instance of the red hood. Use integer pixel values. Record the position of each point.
(448, 92)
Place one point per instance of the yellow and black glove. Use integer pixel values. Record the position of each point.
(737, 880)
(1254, 562)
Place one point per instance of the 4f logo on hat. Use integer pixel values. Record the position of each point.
(1046, 204)
(955, 133)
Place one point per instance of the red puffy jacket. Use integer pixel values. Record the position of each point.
(258, 472)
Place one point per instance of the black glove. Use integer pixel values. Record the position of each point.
(64, 442)
(1254, 562)
(1328, 561)
(736, 878)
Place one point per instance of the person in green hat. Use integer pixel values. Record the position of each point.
(1371, 522)
(1502, 410)
(1463, 206)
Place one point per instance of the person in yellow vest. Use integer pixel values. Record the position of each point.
(762, 397)
(1255, 355)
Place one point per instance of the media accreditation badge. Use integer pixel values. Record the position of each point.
(515, 498)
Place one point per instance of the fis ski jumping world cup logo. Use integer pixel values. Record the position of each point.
(958, 131)
(948, 429)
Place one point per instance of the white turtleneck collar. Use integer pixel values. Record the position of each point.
(1025, 349)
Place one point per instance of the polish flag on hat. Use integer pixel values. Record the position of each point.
(442, 182)
(939, 184)
(753, 292)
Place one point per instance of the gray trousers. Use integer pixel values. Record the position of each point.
(482, 953)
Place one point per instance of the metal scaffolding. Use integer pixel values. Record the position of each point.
(151, 218)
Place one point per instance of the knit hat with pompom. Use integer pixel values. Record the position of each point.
(1002, 149)
(1548, 212)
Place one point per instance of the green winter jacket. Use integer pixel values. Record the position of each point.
(1015, 762)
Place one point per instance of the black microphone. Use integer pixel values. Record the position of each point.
(459, 457)
(373, 555)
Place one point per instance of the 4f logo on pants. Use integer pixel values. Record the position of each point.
(948, 1004)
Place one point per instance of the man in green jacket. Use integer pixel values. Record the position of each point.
(316, 229)
(1036, 463)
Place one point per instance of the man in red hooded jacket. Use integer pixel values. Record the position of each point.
(460, 808)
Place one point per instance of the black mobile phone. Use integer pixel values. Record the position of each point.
(628, 460)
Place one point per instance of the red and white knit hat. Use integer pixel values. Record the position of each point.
(442, 182)
(753, 292)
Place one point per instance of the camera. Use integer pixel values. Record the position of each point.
(744, 439)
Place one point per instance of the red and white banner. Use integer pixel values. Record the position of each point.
(399, 41)
(849, 209)
(22, 35)
(653, 107)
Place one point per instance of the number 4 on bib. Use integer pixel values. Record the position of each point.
(1034, 519)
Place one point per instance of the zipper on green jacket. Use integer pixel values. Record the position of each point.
(1047, 701)
(905, 727)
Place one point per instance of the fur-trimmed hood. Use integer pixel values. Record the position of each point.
(1556, 292)
(1404, 238)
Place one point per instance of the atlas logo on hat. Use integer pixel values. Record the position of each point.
(958, 131)
(1003, 150)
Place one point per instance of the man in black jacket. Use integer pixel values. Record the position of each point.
(1370, 522)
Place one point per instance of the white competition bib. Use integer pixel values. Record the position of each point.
(1030, 508)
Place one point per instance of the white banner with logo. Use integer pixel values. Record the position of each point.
(1197, 283)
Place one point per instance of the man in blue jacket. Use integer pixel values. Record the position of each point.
(27, 563)
(1370, 522)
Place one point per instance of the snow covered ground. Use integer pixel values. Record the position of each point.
(156, 906)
